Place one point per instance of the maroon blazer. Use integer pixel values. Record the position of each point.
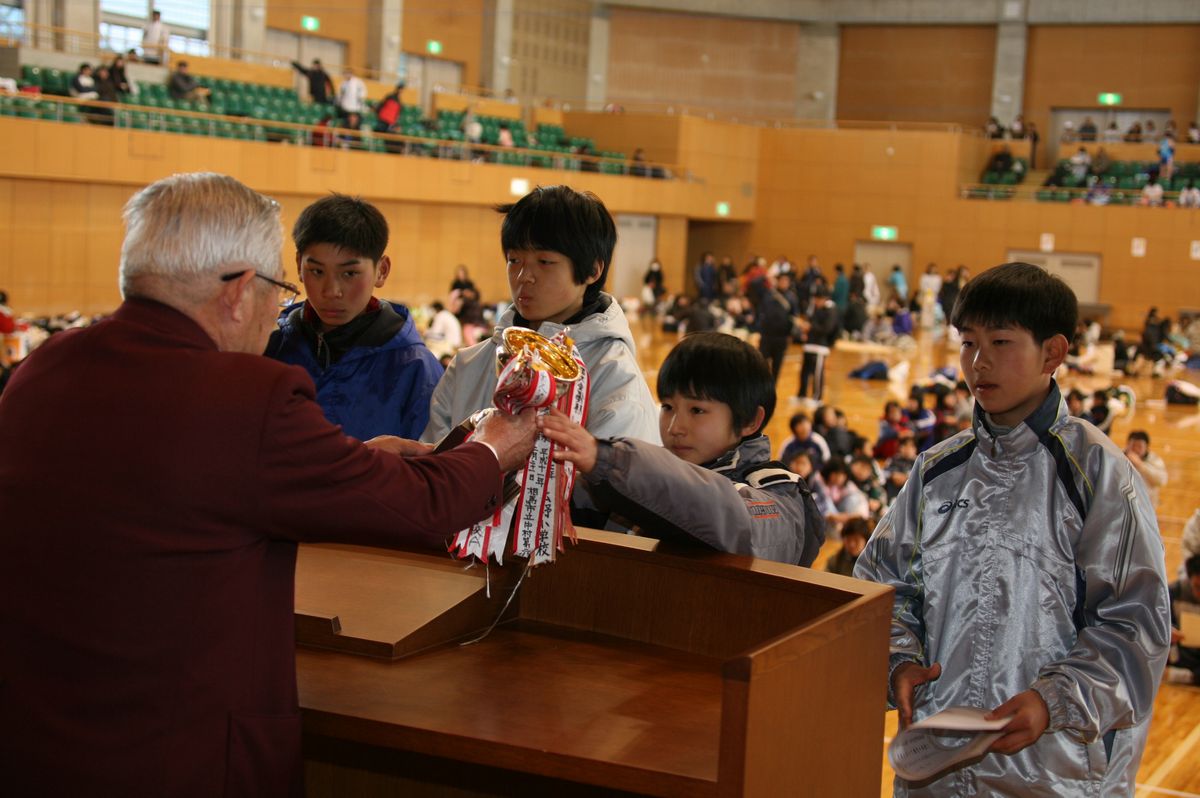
(152, 493)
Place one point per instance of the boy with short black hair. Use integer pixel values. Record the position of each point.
(374, 374)
(714, 481)
(1184, 667)
(854, 539)
(558, 244)
(1027, 566)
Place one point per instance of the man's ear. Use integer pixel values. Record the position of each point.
(382, 269)
(1054, 352)
(236, 299)
(597, 270)
(755, 424)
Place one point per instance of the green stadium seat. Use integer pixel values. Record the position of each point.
(1062, 195)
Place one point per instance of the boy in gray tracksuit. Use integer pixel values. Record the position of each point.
(1027, 566)
(713, 479)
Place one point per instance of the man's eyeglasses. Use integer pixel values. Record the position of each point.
(290, 292)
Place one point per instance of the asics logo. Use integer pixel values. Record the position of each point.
(947, 506)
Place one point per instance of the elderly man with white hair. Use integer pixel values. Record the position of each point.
(157, 475)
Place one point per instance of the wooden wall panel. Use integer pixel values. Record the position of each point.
(550, 40)
(1151, 66)
(457, 24)
(673, 250)
(815, 201)
(739, 66)
(916, 73)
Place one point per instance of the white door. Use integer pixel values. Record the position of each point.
(429, 75)
(637, 245)
(1080, 271)
(878, 257)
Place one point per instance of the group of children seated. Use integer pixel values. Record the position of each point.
(1022, 549)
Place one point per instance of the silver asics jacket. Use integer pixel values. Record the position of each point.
(1030, 560)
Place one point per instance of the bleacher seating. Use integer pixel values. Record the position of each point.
(251, 107)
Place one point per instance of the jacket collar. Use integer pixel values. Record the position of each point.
(751, 450)
(1027, 435)
(165, 321)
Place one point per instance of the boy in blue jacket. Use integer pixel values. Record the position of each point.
(373, 373)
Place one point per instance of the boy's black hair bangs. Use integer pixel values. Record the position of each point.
(720, 368)
(561, 219)
(1018, 295)
(349, 223)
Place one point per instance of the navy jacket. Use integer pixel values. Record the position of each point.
(376, 387)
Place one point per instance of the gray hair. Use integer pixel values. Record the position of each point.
(188, 227)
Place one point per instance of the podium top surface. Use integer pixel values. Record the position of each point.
(535, 698)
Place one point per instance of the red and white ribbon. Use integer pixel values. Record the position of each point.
(539, 516)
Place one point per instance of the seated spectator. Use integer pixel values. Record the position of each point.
(1098, 194)
(1087, 130)
(1134, 134)
(1100, 162)
(854, 539)
(83, 85)
(1100, 414)
(1081, 162)
(1191, 539)
(1189, 196)
(1112, 133)
(1147, 463)
(898, 467)
(1068, 132)
(182, 86)
(847, 500)
(505, 137)
(1017, 128)
(444, 334)
(1183, 664)
(994, 129)
(638, 168)
(122, 81)
(856, 317)
(1152, 192)
(920, 418)
(804, 440)
(864, 474)
(802, 465)
(1075, 400)
(1193, 133)
(831, 424)
(1150, 132)
(891, 427)
(1001, 161)
(106, 89)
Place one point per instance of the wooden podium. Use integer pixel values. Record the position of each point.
(621, 669)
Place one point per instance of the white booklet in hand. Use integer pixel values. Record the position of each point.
(940, 741)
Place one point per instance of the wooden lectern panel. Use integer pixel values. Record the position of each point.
(626, 668)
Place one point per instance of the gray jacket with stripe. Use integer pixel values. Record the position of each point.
(743, 503)
(1030, 560)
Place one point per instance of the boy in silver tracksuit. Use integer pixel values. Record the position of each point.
(712, 480)
(1027, 565)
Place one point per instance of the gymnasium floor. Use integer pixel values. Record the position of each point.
(1169, 766)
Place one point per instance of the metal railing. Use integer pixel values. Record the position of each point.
(155, 119)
